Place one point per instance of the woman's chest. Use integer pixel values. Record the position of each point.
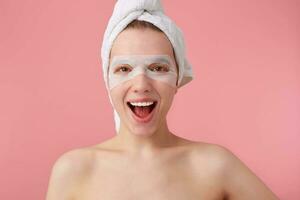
(176, 182)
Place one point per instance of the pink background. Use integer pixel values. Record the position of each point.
(246, 95)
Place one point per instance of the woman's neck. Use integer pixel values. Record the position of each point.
(145, 145)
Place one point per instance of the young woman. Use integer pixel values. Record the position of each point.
(145, 161)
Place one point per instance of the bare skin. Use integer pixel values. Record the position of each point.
(185, 171)
(147, 161)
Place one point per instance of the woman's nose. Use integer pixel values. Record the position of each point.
(141, 84)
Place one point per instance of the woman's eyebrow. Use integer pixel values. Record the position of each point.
(162, 60)
(120, 60)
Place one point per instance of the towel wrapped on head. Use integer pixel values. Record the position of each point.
(126, 11)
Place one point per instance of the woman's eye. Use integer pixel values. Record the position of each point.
(123, 69)
(159, 68)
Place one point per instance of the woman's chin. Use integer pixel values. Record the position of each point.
(143, 131)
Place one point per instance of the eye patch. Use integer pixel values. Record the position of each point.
(127, 67)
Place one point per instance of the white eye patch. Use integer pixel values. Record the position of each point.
(157, 67)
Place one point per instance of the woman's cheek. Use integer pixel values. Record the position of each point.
(115, 98)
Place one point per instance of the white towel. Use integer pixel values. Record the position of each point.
(125, 11)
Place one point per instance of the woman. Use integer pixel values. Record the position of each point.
(145, 160)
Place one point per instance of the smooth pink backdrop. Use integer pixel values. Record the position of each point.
(246, 94)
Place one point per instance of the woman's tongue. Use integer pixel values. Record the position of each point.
(142, 111)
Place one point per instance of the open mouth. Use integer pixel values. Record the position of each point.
(142, 110)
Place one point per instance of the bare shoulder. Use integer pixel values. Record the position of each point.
(213, 154)
(74, 161)
(212, 158)
(68, 171)
(237, 180)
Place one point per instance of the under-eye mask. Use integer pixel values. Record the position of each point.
(157, 67)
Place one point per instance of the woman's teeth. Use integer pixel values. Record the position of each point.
(141, 103)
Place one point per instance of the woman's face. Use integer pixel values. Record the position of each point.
(138, 119)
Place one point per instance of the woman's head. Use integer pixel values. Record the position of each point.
(124, 13)
(143, 43)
